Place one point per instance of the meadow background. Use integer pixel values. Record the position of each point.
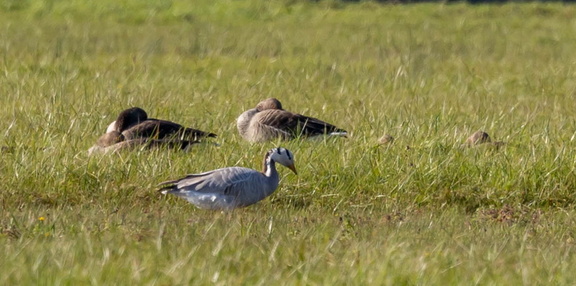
(422, 211)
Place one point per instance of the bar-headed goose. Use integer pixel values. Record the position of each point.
(232, 187)
(134, 123)
(268, 121)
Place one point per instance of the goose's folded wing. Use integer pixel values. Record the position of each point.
(168, 128)
(228, 181)
(195, 134)
(295, 123)
(276, 121)
(314, 126)
(152, 128)
(161, 129)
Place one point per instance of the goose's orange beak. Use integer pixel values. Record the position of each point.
(291, 167)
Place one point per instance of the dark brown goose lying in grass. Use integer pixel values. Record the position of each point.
(134, 130)
(268, 121)
(134, 123)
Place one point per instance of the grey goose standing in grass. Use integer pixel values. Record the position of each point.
(268, 121)
(134, 123)
(232, 187)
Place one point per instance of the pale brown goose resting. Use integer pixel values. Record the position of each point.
(268, 121)
(134, 123)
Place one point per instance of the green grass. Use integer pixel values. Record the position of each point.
(421, 211)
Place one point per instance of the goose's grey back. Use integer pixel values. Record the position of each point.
(235, 186)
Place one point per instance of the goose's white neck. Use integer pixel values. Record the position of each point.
(269, 167)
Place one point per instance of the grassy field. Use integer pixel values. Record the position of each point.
(422, 211)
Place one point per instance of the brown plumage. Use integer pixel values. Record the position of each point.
(163, 129)
(129, 117)
(268, 121)
(134, 123)
(479, 137)
(109, 139)
(134, 130)
(386, 139)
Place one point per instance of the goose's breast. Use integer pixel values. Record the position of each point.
(212, 201)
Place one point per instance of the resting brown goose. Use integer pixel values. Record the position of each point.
(134, 123)
(268, 121)
(134, 130)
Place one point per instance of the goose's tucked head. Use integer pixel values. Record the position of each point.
(130, 117)
(270, 103)
(282, 156)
